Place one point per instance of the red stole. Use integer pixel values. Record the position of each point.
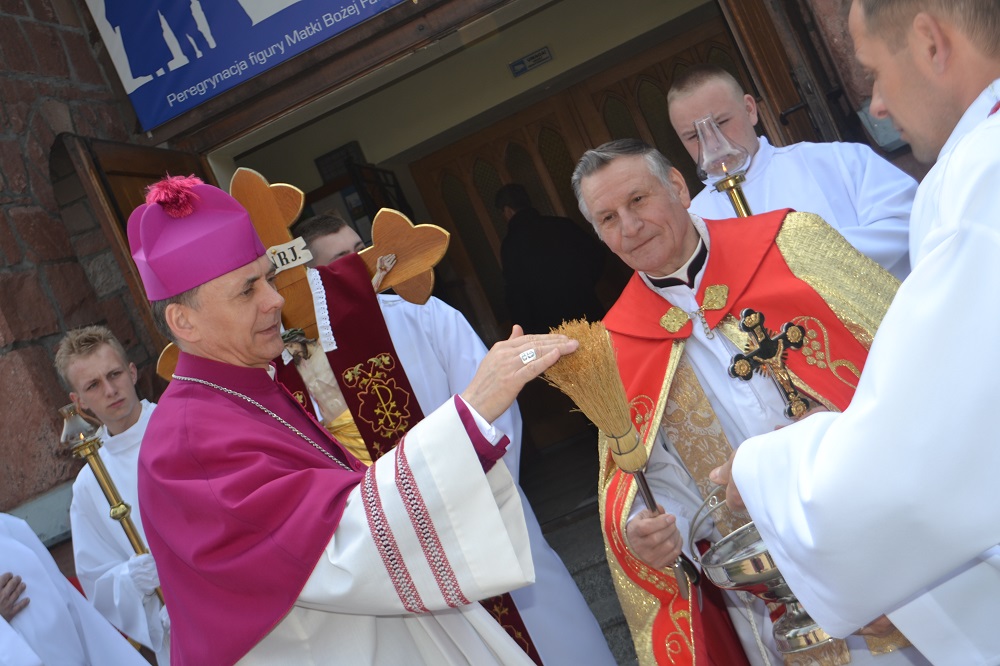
(744, 256)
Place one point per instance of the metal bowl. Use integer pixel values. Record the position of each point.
(740, 561)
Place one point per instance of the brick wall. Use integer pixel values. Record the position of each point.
(56, 267)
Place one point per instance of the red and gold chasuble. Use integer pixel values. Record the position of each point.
(791, 267)
(378, 393)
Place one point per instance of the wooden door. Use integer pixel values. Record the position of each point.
(536, 148)
(802, 95)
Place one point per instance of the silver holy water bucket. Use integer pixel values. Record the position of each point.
(740, 561)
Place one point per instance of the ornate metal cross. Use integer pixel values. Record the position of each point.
(766, 354)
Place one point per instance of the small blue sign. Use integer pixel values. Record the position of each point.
(530, 61)
(173, 55)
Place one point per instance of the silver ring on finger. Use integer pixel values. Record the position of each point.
(528, 355)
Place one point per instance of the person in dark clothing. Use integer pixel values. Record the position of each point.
(550, 265)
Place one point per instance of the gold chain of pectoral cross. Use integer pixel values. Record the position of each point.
(267, 411)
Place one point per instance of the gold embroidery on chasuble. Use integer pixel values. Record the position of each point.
(834, 653)
(300, 397)
(886, 644)
(640, 607)
(383, 404)
(691, 426)
(818, 351)
(856, 288)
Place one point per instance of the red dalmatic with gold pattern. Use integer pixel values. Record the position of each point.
(791, 269)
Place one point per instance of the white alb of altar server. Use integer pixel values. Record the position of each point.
(913, 461)
(854, 190)
(102, 551)
(57, 627)
(440, 353)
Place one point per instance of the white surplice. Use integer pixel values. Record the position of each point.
(858, 193)
(440, 352)
(744, 409)
(57, 627)
(102, 551)
(891, 507)
(350, 610)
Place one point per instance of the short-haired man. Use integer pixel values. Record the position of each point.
(440, 352)
(551, 266)
(276, 545)
(43, 619)
(328, 237)
(890, 507)
(676, 329)
(94, 367)
(858, 193)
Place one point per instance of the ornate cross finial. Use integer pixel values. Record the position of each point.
(766, 354)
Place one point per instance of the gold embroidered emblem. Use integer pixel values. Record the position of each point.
(715, 299)
(641, 411)
(301, 397)
(384, 405)
(818, 352)
(674, 320)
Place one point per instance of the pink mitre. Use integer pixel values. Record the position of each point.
(188, 233)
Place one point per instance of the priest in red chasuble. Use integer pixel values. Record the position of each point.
(675, 330)
(274, 544)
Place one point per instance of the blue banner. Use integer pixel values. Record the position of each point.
(173, 55)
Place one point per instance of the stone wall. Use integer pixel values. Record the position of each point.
(56, 267)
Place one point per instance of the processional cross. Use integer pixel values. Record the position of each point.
(766, 354)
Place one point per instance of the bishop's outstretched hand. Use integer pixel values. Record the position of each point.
(511, 364)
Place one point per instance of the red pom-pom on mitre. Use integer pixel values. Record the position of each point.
(174, 195)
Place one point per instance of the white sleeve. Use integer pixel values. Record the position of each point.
(459, 350)
(947, 623)
(102, 569)
(425, 530)
(863, 510)
(14, 650)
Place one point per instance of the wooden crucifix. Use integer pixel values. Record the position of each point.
(766, 354)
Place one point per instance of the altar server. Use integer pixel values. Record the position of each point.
(858, 193)
(44, 620)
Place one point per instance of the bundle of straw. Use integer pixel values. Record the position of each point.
(589, 376)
